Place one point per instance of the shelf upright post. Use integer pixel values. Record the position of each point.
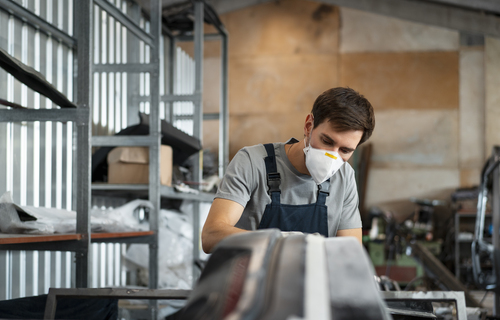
(171, 77)
(224, 110)
(198, 121)
(154, 150)
(132, 77)
(83, 31)
(495, 207)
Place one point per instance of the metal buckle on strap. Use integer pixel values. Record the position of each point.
(324, 187)
(273, 182)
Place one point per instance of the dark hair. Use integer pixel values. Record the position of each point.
(346, 109)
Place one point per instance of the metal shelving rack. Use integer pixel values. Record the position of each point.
(82, 43)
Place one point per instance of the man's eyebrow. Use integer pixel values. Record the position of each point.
(333, 142)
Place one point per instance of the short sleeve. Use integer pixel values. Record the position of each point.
(238, 181)
(350, 218)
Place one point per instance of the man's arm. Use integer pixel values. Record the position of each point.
(351, 233)
(222, 217)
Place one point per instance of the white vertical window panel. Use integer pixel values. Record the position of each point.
(102, 265)
(67, 280)
(96, 37)
(46, 273)
(104, 105)
(22, 272)
(110, 264)
(35, 272)
(117, 97)
(59, 130)
(117, 264)
(95, 263)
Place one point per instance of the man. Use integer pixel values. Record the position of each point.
(304, 186)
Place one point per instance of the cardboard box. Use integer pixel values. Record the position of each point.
(131, 165)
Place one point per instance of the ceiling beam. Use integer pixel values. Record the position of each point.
(440, 15)
(224, 6)
(492, 6)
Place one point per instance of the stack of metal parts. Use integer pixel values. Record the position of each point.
(270, 275)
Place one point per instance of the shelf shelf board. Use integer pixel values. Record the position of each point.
(123, 237)
(69, 242)
(30, 238)
(142, 190)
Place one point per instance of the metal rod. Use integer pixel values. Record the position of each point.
(181, 97)
(206, 37)
(154, 149)
(198, 122)
(84, 30)
(126, 21)
(79, 115)
(125, 67)
(224, 108)
(130, 141)
(37, 22)
(496, 222)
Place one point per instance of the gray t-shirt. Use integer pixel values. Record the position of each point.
(245, 182)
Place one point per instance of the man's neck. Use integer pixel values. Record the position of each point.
(297, 157)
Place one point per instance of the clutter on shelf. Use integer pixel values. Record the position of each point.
(40, 220)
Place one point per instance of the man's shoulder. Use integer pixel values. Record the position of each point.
(258, 151)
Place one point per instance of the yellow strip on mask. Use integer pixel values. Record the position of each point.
(331, 156)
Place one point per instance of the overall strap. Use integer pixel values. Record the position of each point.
(323, 192)
(273, 176)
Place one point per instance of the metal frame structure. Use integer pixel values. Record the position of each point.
(109, 293)
(83, 44)
(456, 297)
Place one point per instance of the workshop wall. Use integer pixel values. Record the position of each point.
(435, 96)
(282, 55)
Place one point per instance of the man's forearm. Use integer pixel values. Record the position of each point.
(213, 234)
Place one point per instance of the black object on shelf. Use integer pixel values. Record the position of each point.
(33, 79)
(179, 16)
(183, 145)
(67, 308)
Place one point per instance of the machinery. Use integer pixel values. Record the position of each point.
(483, 252)
(270, 275)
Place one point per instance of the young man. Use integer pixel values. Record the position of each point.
(304, 186)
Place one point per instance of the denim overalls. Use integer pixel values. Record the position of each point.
(307, 218)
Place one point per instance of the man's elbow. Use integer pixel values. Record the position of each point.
(206, 239)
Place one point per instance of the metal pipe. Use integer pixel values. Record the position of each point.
(37, 22)
(126, 21)
(83, 12)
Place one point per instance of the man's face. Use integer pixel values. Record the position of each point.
(326, 137)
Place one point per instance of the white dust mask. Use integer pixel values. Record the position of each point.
(322, 164)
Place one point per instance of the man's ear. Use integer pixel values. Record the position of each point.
(309, 124)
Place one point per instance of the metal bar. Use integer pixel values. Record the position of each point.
(224, 108)
(125, 67)
(133, 57)
(154, 150)
(126, 21)
(480, 5)
(83, 11)
(37, 22)
(435, 296)
(171, 77)
(51, 304)
(196, 97)
(496, 223)
(457, 246)
(120, 187)
(129, 141)
(79, 115)
(67, 245)
(199, 8)
(428, 13)
(206, 37)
